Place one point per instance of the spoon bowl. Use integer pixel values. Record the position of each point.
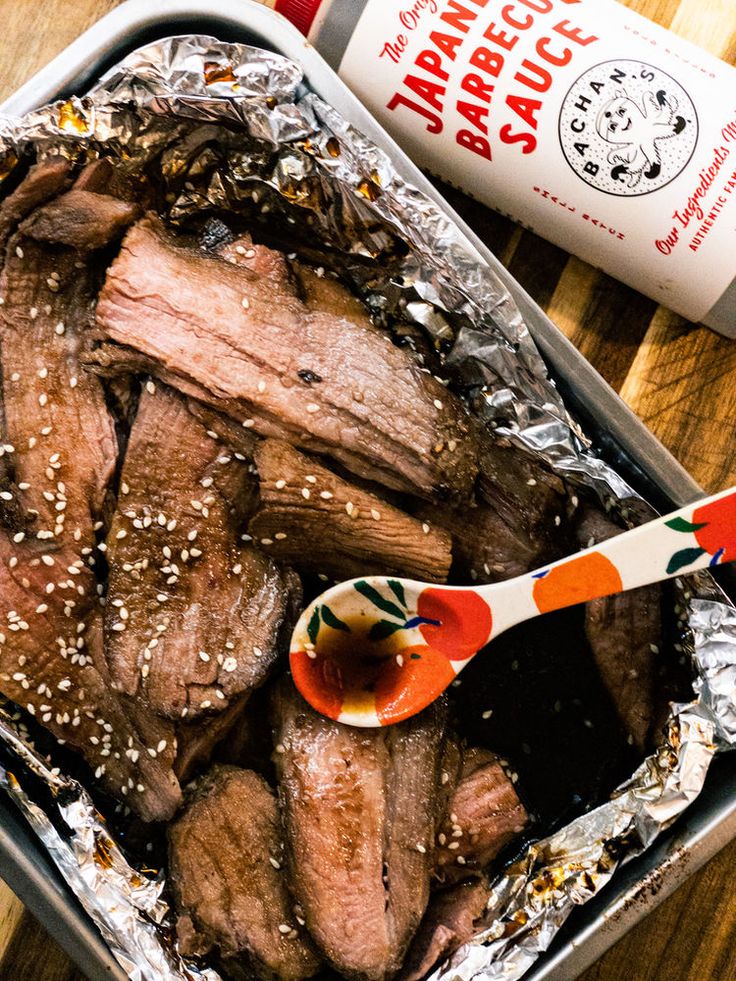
(376, 650)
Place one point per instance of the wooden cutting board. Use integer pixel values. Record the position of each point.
(678, 377)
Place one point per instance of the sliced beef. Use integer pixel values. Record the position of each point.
(360, 813)
(53, 666)
(56, 419)
(625, 632)
(315, 520)
(453, 916)
(484, 814)
(59, 448)
(225, 862)
(251, 341)
(516, 523)
(42, 182)
(81, 220)
(193, 615)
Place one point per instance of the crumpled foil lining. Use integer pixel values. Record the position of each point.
(283, 155)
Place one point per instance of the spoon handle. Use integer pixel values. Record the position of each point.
(698, 536)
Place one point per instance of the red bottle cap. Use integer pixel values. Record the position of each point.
(301, 13)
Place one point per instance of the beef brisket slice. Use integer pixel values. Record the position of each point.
(56, 419)
(312, 518)
(483, 815)
(452, 918)
(59, 448)
(52, 664)
(225, 861)
(193, 615)
(327, 382)
(516, 522)
(42, 182)
(360, 812)
(624, 632)
(81, 219)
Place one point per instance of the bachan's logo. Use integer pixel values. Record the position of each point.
(627, 128)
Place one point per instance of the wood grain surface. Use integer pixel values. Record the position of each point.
(678, 377)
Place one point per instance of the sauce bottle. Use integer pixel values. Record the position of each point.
(581, 120)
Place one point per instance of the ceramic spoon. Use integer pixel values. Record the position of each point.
(374, 651)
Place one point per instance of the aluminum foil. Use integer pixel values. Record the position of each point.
(233, 130)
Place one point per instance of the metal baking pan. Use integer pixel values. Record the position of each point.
(710, 822)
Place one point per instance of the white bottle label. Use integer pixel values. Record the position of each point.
(597, 129)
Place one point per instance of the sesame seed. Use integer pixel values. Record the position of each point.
(248, 423)
(15, 376)
(326, 495)
(161, 746)
(266, 541)
(425, 528)
(205, 704)
(257, 652)
(47, 560)
(280, 536)
(261, 386)
(284, 928)
(150, 387)
(229, 664)
(400, 660)
(280, 484)
(310, 479)
(437, 404)
(237, 569)
(487, 714)
(421, 849)
(43, 399)
(43, 373)
(376, 515)
(245, 303)
(349, 507)
(73, 382)
(121, 534)
(19, 252)
(306, 493)
(272, 860)
(60, 328)
(312, 407)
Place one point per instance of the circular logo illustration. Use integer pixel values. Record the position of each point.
(627, 128)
